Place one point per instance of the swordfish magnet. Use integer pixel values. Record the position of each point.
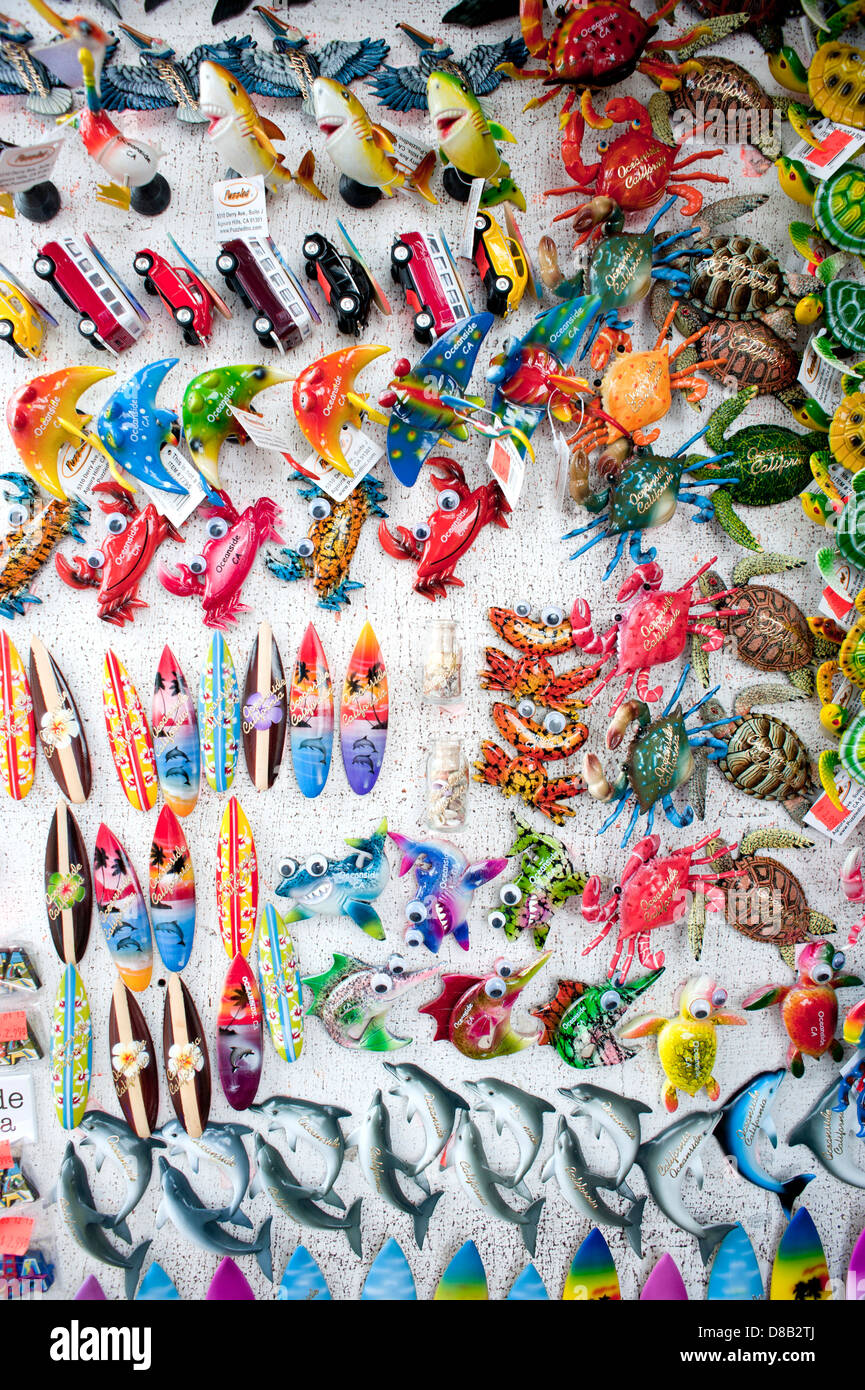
(68, 886)
(175, 735)
(236, 881)
(311, 713)
(219, 716)
(122, 911)
(59, 725)
(128, 735)
(172, 892)
(363, 715)
(17, 725)
(265, 707)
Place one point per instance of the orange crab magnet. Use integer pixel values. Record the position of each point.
(324, 401)
(36, 415)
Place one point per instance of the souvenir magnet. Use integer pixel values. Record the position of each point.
(265, 707)
(311, 713)
(68, 886)
(219, 716)
(175, 735)
(122, 911)
(133, 1061)
(172, 892)
(71, 1049)
(236, 881)
(363, 714)
(238, 1035)
(187, 1064)
(17, 724)
(59, 725)
(128, 735)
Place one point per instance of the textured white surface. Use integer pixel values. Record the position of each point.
(527, 561)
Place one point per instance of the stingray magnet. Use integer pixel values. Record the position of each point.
(363, 714)
(39, 415)
(17, 724)
(219, 716)
(133, 430)
(800, 1273)
(324, 401)
(310, 706)
(592, 1274)
(187, 1063)
(128, 735)
(238, 1035)
(265, 710)
(175, 735)
(207, 417)
(71, 1049)
(353, 1000)
(59, 725)
(279, 979)
(236, 881)
(133, 1062)
(465, 1279)
(172, 892)
(68, 886)
(122, 910)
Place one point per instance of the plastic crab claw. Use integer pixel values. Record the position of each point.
(621, 722)
(851, 877)
(78, 575)
(578, 476)
(611, 460)
(590, 903)
(588, 216)
(402, 546)
(183, 583)
(595, 778)
(650, 575)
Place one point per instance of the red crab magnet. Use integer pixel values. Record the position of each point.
(217, 575)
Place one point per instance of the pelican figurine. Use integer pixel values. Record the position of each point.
(404, 89)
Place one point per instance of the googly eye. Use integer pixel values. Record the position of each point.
(396, 965)
(413, 937)
(554, 722)
(617, 617)
(217, 527)
(504, 968)
(526, 709)
(288, 868)
(416, 911)
(16, 515)
(822, 974)
(305, 549)
(510, 894)
(449, 500)
(116, 524)
(497, 919)
(551, 616)
(198, 564)
(381, 984)
(316, 865)
(496, 988)
(319, 508)
(95, 560)
(421, 532)
(603, 146)
(523, 609)
(719, 998)
(700, 1008)
(838, 960)
(610, 1000)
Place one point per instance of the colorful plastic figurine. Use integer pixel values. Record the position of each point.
(207, 417)
(580, 1020)
(172, 891)
(326, 553)
(532, 681)
(324, 400)
(445, 883)
(547, 878)
(342, 887)
(363, 152)
(652, 629)
(122, 911)
(474, 1011)
(160, 79)
(744, 1118)
(364, 713)
(825, 1132)
(133, 430)
(618, 1117)
(128, 735)
(40, 416)
(291, 67)
(353, 1000)
(310, 710)
(417, 422)
(727, 90)
(833, 82)
(280, 986)
(688, 1045)
(581, 1187)
(666, 1161)
(835, 205)
(853, 883)
(17, 723)
(852, 1077)
(379, 1165)
(21, 71)
(218, 574)
(439, 543)
(24, 320)
(467, 141)
(200, 1225)
(131, 165)
(404, 89)
(87, 1226)
(243, 137)
(659, 759)
(635, 170)
(187, 296)
(35, 527)
(653, 892)
(465, 1153)
(287, 1195)
(549, 737)
(525, 776)
(549, 634)
(118, 565)
(520, 1114)
(809, 1008)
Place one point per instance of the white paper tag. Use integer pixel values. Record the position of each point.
(172, 505)
(264, 433)
(841, 584)
(837, 145)
(239, 208)
(407, 151)
(820, 379)
(467, 244)
(507, 467)
(79, 468)
(17, 1109)
(827, 820)
(22, 166)
(360, 452)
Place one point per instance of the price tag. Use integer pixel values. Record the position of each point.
(837, 826)
(507, 467)
(15, 1233)
(17, 1110)
(842, 582)
(467, 245)
(407, 152)
(361, 454)
(820, 379)
(837, 144)
(172, 505)
(22, 166)
(6, 1159)
(13, 1025)
(79, 468)
(265, 433)
(239, 208)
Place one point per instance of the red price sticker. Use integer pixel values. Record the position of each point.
(13, 1025)
(829, 149)
(6, 1159)
(15, 1233)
